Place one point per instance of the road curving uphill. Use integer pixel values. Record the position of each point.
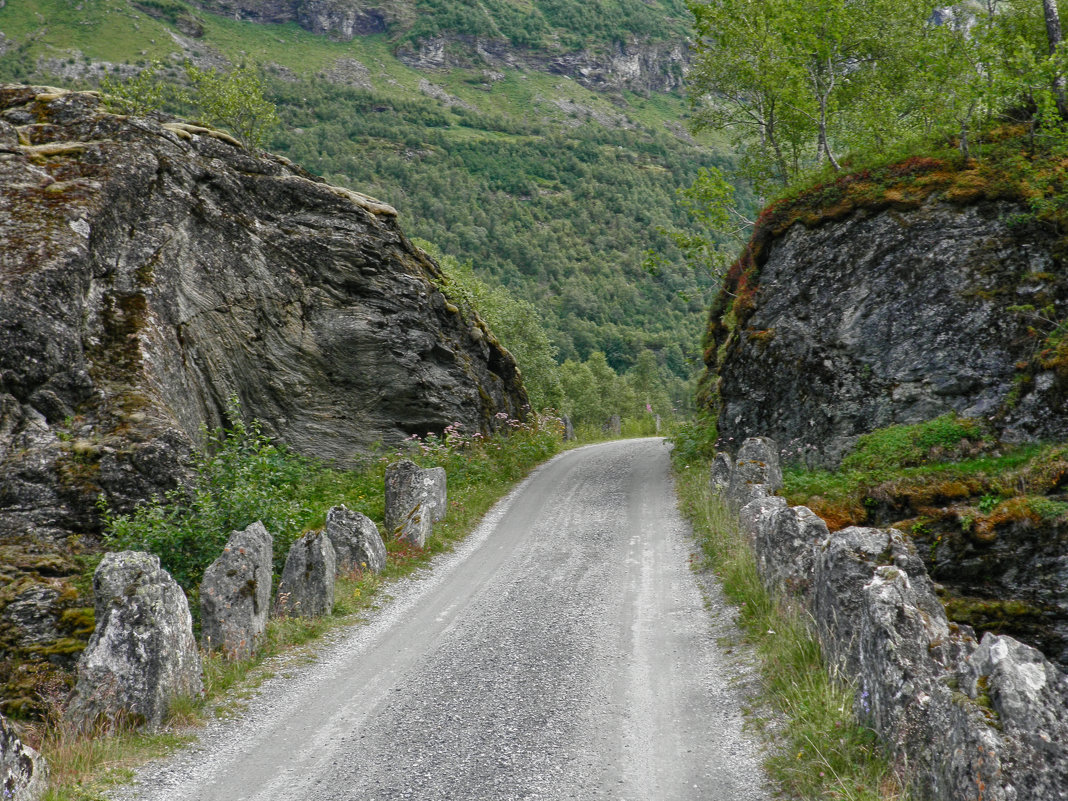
(562, 651)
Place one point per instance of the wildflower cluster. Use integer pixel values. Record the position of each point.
(508, 453)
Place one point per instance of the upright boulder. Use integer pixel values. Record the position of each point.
(569, 428)
(756, 472)
(307, 585)
(415, 500)
(23, 772)
(720, 472)
(786, 549)
(235, 594)
(357, 543)
(142, 654)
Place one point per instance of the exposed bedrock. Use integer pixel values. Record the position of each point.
(886, 317)
(151, 271)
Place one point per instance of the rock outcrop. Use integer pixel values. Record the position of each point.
(834, 328)
(23, 772)
(149, 272)
(142, 655)
(635, 64)
(306, 588)
(235, 593)
(357, 543)
(969, 720)
(415, 500)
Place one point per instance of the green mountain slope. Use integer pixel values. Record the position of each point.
(549, 188)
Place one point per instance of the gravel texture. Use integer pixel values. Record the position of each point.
(564, 650)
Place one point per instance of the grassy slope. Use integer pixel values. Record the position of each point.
(546, 186)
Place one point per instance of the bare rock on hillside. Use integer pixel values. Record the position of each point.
(235, 594)
(142, 654)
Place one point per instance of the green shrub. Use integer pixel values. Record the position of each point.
(693, 441)
(241, 477)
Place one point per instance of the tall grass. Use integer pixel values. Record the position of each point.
(820, 752)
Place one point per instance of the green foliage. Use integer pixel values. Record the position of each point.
(242, 477)
(799, 83)
(552, 24)
(561, 216)
(143, 94)
(234, 100)
(896, 447)
(694, 442)
(516, 323)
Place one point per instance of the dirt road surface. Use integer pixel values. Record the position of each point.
(563, 651)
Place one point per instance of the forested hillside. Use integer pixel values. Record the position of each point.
(549, 187)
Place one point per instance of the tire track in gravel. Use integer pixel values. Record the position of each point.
(563, 651)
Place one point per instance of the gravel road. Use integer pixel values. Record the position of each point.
(563, 651)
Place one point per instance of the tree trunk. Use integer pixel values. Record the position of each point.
(1054, 35)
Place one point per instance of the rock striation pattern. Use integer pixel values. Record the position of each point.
(149, 272)
(142, 655)
(357, 543)
(23, 772)
(969, 719)
(928, 318)
(306, 588)
(235, 593)
(415, 500)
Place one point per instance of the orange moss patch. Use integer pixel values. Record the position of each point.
(1014, 511)
(836, 514)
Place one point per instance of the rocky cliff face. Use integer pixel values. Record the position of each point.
(149, 272)
(634, 64)
(892, 316)
(340, 19)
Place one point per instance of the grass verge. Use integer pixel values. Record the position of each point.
(820, 751)
(480, 471)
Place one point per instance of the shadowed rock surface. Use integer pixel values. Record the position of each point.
(889, 317)
(23, 772)
(142, 655)
(149, 272)
(357, 543)
(235, 593)
(306, 588)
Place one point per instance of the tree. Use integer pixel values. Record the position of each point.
(233, 100)
(143, 94)
(796, 79)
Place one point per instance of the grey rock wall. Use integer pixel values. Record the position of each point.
(150, 272)
(893, 316)
(965, 720)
